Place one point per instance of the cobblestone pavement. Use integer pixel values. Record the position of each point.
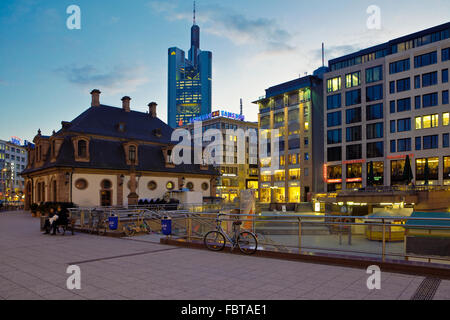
(33, 266)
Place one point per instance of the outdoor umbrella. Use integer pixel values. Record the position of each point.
(407, 171)
(370, 176)
(427, 173)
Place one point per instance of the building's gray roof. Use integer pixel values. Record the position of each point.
(103, 121)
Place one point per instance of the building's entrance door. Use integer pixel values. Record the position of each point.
(105, 198)
(305, 194)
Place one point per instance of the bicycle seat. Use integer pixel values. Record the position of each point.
(237, 223)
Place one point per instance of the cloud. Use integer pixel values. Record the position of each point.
(239, 29)
(118, 79)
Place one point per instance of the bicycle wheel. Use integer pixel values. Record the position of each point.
(129, 230)
(247, 242)
(214, 240)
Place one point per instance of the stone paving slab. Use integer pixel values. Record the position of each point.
(33, 266)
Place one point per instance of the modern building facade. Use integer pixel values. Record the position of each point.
(189, 82)
(110, 156)
(384, 103)
(295, 109)
(13, 160)
(233, 176)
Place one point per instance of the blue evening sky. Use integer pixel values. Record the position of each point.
(47, 70)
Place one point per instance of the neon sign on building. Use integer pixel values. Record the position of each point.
(216, 114)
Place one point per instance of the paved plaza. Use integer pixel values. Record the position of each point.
(33, 266)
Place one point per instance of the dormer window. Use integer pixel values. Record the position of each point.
(132, 154)
(82, 148)
(121, 127)
(157, 133)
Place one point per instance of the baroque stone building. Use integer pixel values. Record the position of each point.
(109, 156)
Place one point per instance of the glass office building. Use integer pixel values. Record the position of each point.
(189, 82)
(295, 110)
(385, 103)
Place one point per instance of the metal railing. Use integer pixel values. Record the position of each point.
(377, 237)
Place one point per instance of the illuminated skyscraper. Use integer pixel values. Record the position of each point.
(189, 81)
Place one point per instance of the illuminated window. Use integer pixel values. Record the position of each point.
(418, 123)
(294, 174)
(430, 121)
(445, 119)
(353, 79)
(334, 84)
(306, 126)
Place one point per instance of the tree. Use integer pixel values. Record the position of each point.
(407, 171)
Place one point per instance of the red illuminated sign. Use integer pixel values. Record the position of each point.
(354, 180)
(400, 156)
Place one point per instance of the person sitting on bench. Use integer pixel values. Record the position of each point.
(50, 221)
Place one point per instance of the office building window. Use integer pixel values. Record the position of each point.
(392, 87)
(425, 59)
(353, 79)
(433, 168)
(429, 79)
(375, 150)
(445, 76)
(418, 143)
(417, 102)
(334, 84)
(392, 107)
(334, 101)
(374, 130)
(353, 97)
(334, 154)
(403, 85)
(334, 119)
(404, 145)
(404, 125)
(334, 136)
(374, 112)
(354, 134)
(430, 142)
(404, 105)
(392, 146)
(445, 97)
(354, 152)
(399, 66)
(392, 126)
(374, 74)
(374, 93)
(429, 121)
(445, 54)
(445, 118)
(353, 115)
(445, 140)
(416, 82)
(430, 100)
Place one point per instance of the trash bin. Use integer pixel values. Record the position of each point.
(113, 222)
(166, 226)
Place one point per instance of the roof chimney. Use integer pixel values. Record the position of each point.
(126, 103)
(95, 98)
(152, 109)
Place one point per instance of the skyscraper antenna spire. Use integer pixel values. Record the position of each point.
(194, 12)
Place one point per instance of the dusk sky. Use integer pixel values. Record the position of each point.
(47, 70)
